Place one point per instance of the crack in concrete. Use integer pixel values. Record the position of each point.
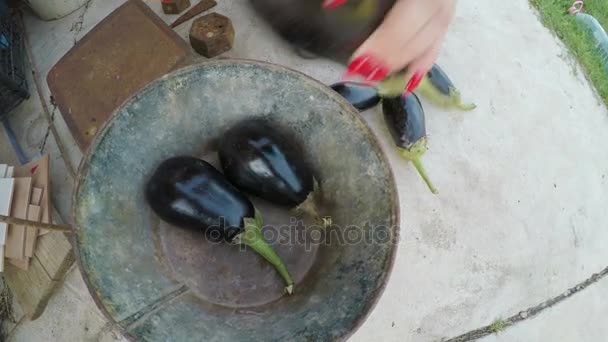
(530, 312)
(77, 25)
(139, 317)
(48, 131)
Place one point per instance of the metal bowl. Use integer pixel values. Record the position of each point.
(162, 283)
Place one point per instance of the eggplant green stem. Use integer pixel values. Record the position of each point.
(452, 100)
(414, 154)
(252, 237)
(394, 85)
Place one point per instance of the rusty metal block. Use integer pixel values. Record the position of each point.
(212, 35)
(175, 6)
(124, 52)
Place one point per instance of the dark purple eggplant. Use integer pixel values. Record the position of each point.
(192, 194)
(439, 89)
(405, 119)
(361, 96)
(335, 33)
(259, 158)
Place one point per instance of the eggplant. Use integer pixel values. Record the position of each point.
(259, 159)
(359, 95)
(405, 119)
(439, 89)
(331, 33)
(436, 86)
(192, 194)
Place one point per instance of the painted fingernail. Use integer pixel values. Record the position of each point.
(378, 74)
(413, 83)
(367, 67)
(332, 4)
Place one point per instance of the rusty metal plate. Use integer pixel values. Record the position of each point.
(128, 49)
(161, 283)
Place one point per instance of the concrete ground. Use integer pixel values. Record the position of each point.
(523, 183)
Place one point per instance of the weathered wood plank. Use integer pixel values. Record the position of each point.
(52, 259)
(55, 253)
(32, 288)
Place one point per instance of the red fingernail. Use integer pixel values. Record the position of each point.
(378, 74)
(367, 67)
(332, 4)
(413, 83)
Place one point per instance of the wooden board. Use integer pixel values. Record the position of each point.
(22, 264)
(15, 237)
(39, 170)
(52, 259)
(33, 214)
(32, 288)
(124, 52)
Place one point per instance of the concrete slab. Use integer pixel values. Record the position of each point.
(7, 156)
(564, 322)
(522, 179)
(32, 130)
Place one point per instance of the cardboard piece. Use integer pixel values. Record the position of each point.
(36, 196)
(15, 237)
(33, 214)
(39, 170)
(7, 186)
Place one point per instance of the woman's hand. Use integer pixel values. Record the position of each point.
(411, 35)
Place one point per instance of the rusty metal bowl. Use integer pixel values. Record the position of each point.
(162, 283)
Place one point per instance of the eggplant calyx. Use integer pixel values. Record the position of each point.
(393, 85)
(414, 154)
(453, 99)
(252, 237)
(363, 11)
(309, 207)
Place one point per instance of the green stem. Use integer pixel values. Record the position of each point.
(418, 164)
(466, 106)
(414, 154)
(252, 237)
(426, 89)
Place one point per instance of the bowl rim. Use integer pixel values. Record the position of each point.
(375, 296)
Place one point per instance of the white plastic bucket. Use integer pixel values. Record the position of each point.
(54, 9)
